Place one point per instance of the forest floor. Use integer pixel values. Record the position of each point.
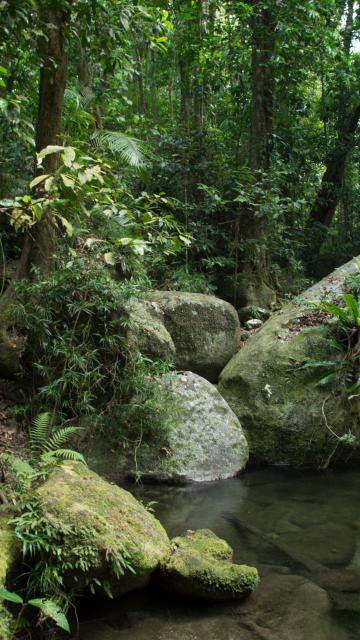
(12, 438)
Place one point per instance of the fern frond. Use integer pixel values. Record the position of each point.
(39, 431)
(59, 437)
(131, 150)
(63, 454)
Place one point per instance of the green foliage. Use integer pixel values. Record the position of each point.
(80, 358)
(48, 608)
(130, 150)
(344, 371)
(56, 551)
(46, 441)
(349, 316)
(183, 279)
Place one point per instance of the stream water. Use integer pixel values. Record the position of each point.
(301, 531)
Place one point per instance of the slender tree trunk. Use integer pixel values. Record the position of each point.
(140, 84)
(185, 96)
(53, 77)
(254, 285)
(197, 73)
(324, 208)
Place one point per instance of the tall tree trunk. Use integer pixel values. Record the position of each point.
(53, 77)
(254, 285)
(324, 207)
(197, 73)
(40, 242)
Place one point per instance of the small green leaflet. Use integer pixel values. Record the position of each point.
(51, 610)
(68, 156)
(51, 148)
(68, 226)
(37, 180)
(10, 596)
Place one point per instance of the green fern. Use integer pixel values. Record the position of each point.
(59, 437)
(62, 454)
(47, 442)
(39, 432)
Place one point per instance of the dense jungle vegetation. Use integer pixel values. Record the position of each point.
(204, 146)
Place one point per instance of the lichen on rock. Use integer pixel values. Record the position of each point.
(205, 441)
(200, 565)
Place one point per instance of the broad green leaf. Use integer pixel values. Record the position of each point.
(68, 156)
(353, 306)
(331, 377)
(68, 182)
(38, 180)
(314, 364)
(68, 226)
(51, 610)
(334, 310)
(51, 148)
(10, 596)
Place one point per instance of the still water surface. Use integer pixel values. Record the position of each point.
(301, 531)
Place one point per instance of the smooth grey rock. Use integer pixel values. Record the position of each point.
(254, 323)
(205, 440)
(205, 330)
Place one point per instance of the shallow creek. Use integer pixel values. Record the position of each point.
(301, 531)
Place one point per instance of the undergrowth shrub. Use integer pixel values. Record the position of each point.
(78, 357)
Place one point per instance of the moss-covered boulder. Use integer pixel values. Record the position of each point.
(7, 559)
(286, 415)
(200, 565)
(76, 500)
(204, 329)
(204, 440)
(147, 330)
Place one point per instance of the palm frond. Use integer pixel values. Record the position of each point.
(131, 150)
(39, 431)
(59, 437)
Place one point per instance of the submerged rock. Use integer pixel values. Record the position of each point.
(288, 607)
(283, 410)
(75, 498)
(204, 329)
(205, 440)
(200, 565)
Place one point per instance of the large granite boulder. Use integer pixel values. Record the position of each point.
(205, 440)
(285, 413)
(148, 331)
(81, 504)
(200, 566)
(197, 332)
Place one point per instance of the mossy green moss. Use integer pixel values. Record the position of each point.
(280, 405)
(200, 565)
(7, 557)
(74, 496)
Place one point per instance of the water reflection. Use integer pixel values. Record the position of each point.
(301, 531)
